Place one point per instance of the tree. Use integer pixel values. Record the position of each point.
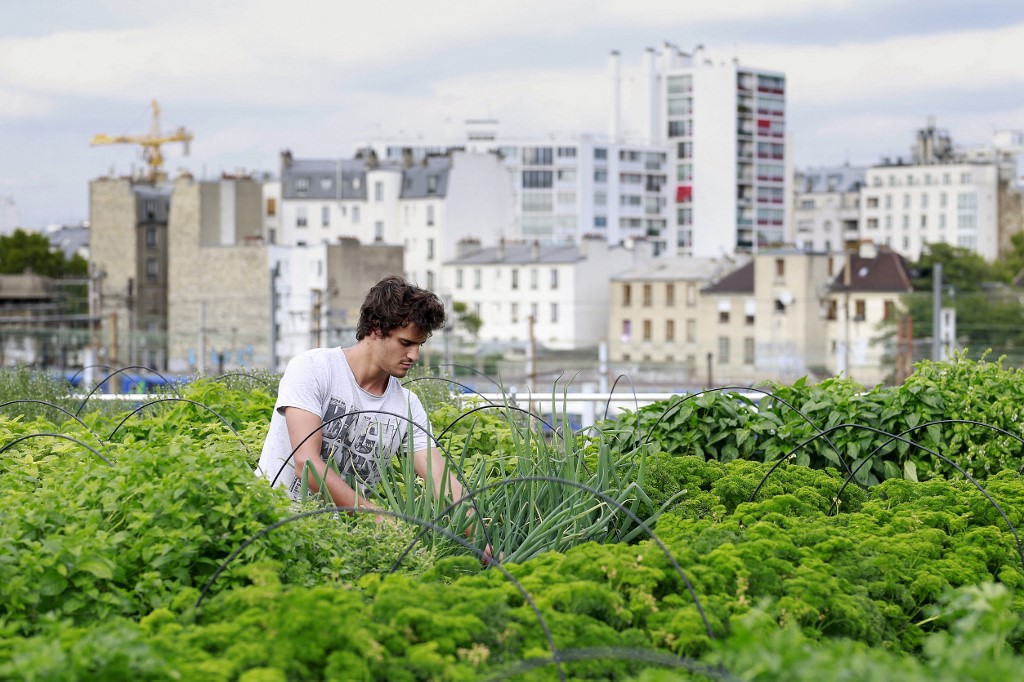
(29, 250)
(988, 311)
(467, 319)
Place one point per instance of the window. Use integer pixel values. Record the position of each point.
(670, 330)
(626, 331)
(515, 278)
(647, 330)
(924, 221)
(476, 278)
(538, 201)
(537, 156)
(378, 231)
(554, 312)
(533, 312)
(723, 350)
(355, 215)
(431, 184)
(691, 295)
(378, 191)
(325, 216)
(566, 175)
(600, 176)
(300, 216)
(872, 202)
(670, 295)
(748, 350)
(600, 153)
(780, 267)
(430, 247)
(533, 278)
(554, 278)
(567, 152)
(647, 295)
(537, 179)
(458, 278)
(888, 310)
(430, 280)
(859, 306)
(691, 330)
(723, 316)
(514, 313)
(627, 295)
(924, 201)
(271, 206)
(832, 310)
(301, 186)
(430, 215)
(151, 236)
(872, 223)
(151, 269)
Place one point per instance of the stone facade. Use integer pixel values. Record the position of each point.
(219, 278)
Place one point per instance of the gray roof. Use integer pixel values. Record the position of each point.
(338, 179)
(843, 178)
(520, 254)
(673, 269)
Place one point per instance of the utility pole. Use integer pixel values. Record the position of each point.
(274, 272)
(201, 354)
(532, 356)
(314, 318)
(937, 312)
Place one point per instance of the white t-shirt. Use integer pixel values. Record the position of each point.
(320, 381)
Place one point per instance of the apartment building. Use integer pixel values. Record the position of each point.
(654, 314)
(937, 195)
(763, 320)
(826, 208)
(128, 255)
(555, 296)
(861, 312)
(425, 205)
(564, 188)
(723, 125)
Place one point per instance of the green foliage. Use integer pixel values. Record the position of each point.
(796, 573)
(838, 424)
(29, 250)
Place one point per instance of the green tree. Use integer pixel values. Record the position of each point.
(29, 250)
(467, 319)
(988, 313)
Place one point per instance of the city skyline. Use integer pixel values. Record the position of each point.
(250, 78)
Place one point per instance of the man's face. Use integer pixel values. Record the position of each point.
(396, 352)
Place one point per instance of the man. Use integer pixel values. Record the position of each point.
(325, 384)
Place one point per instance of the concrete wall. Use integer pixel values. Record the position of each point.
(225, 286)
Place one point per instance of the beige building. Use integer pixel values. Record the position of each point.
(218, 275)
(864, 296)
(763, 320)
(128, 264)
(654, 317)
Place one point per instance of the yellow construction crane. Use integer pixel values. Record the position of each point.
(150, 144)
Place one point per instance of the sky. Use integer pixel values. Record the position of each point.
(250, 78)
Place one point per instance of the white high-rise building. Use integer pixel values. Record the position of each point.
(939, 194)
(724, 126)
(565, 188)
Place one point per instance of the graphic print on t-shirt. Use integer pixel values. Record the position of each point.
(357, 442)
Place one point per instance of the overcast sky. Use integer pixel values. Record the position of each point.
(252, 77)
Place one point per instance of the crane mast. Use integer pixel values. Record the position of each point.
(150, 144)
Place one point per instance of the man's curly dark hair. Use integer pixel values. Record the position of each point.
(393, 303)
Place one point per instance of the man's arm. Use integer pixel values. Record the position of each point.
(300, 424)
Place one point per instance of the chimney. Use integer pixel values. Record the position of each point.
(286, 160)
(407, 160)
(868, 249)
(466, 246)
(535, 250)
(615, 122)
(371, 160)
(500, 253)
